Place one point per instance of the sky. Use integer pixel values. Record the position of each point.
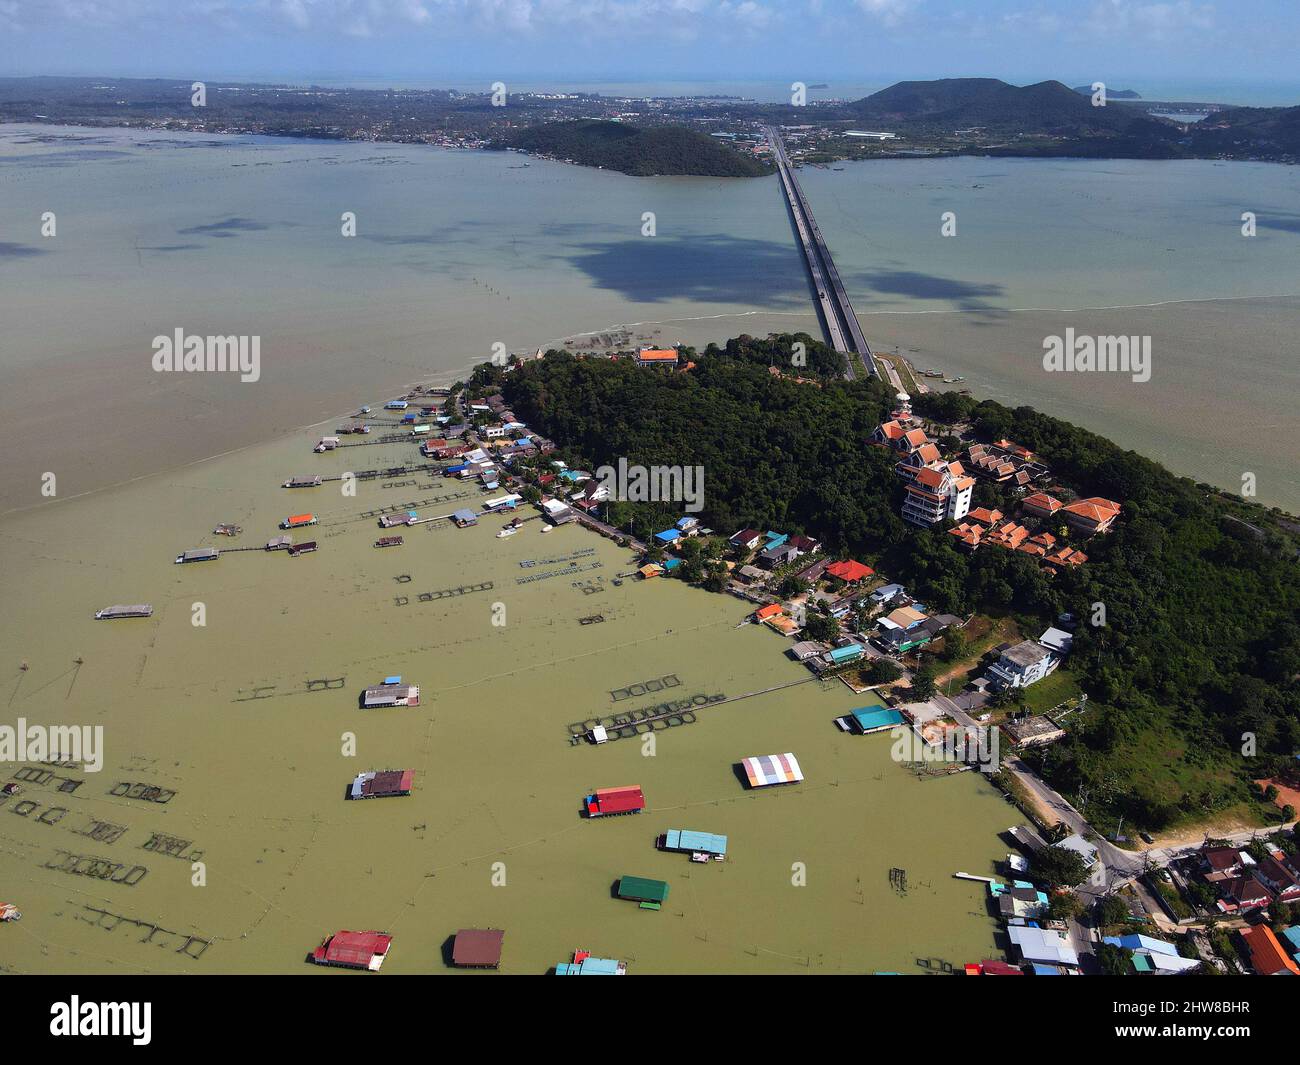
(1245, 48)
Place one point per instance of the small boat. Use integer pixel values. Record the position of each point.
(389, 541)
(9, 912)
(362, 411)
(11, 788)
(699, 856)
(227, 529)
(547, 528)
(509, 530)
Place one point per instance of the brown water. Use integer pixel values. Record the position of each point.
(259, 782)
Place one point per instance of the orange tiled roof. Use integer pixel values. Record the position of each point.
(927, 453)
(769, 611)
(916, 437)
(1042, 501)
(892, 430)
(1094, 509)
(657, 354)
(930, 478)
(986, 516)
(969, 535)
(1266, 954)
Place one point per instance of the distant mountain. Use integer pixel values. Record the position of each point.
(642, 151)
(1257, 132)
(1055, 119)
(1111, 94)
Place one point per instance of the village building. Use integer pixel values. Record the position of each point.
(1022, 665)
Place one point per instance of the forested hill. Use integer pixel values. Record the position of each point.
(1048, 108)
(642, 151)
(1202, 643)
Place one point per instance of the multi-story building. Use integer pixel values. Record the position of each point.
(938, 492)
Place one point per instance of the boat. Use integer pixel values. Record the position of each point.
(142, 610)
(547, 528)
(11, 788)
(227, 529)
(699, 856)
(362, 411)
(389, 541)
(302, 549)
(509, 530)
(9, 912)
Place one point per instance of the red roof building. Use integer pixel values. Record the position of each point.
(849, 570)
(623, 800)
(354, 950)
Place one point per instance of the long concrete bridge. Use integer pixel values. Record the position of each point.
(842, 329)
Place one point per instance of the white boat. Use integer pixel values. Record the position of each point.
(547, 528)
(509, 530)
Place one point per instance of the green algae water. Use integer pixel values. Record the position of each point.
(247, 717)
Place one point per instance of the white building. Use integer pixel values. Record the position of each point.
(937, 492)
(1022, 665)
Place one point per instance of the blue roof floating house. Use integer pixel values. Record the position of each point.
(875, 718)
(684, 839)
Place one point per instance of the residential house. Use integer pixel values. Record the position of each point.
(1279, 878)
(1022, 665)
(849, 571)
(773, 557)
(1267, 956)
(984, 516)
(1008, 535)
(746, 539)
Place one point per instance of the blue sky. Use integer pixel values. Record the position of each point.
(1182, 44)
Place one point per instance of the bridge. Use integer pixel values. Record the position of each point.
(842, 329)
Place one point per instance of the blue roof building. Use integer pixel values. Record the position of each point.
(875, 718)
(684, 839)
(1141, 942)
(669, 536)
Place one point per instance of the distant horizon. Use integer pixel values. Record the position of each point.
(1244, 51)
(1242, 92)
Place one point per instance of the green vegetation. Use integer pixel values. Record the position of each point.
(1059, 867)
(1200, 645)
(642, 151)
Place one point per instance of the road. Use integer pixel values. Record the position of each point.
(842, 328)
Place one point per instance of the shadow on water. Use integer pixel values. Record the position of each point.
(713, 268)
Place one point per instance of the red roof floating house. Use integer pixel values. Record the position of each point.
(354, 950)
(604, 802)
(477, 948)
(849, 570)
